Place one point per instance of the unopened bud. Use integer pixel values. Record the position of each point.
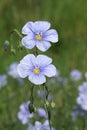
(47, 103)
(20, 46)
(13, 51)
(6, 45)
(53, 104)
(31, 108)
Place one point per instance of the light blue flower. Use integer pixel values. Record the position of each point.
(36, 68)
(12, 70)
(30, 127)
(44, 126)
(82, 101)
(77, 110)
(24, 115)
(38, 35)
(41, 93)
(36, 126)
(83, 88)
(3, 80)
(39, 126)
(82, 98)
(75, 75)
(42, 113)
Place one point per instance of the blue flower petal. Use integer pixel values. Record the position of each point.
(23, 70)
(49, 70)
(43, 61)
(26, 65)
(82, 101)
(41, 26)
(37, 79)
(51, 35)
(29, 60)
(43, 45)
(28, 28)
(23, 119)
(27, 42)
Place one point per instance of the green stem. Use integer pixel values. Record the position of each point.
(17, 32)
(31, 96)
(47, 104)
(31, 105)
(10, 39)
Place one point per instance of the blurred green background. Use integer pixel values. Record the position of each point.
(68, 17)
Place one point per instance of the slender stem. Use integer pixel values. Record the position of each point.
(10, 39)
(47, 105)
(17, 32)
(31, 105)
(31, 96)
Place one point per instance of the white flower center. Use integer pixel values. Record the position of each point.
(38, 37)
(36, 70)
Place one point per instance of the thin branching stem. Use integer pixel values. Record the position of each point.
(31, 96)
(17, 32)
(47, 107)
(31, 105)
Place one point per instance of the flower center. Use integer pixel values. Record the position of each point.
(38, 37)
(36, 71)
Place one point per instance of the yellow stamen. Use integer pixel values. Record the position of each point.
(36, 71)
(38, 37)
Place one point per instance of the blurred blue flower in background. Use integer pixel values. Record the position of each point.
(77, 110)
(38, 35)
(57, 79)
(41, 94)
(39, 126)
(24, 115)
(12, 70)
(44, 126)
(42, 113)
(83, 88)
(82, 98)
(36, 68)
(82, 101)
(3, 80)
(30, 127)
(75, 75)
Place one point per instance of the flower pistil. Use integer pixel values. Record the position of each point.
(38, 37)
(36, 70)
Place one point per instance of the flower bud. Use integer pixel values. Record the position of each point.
(6, 45)
(31, 108)
(20, 46)
(53, 104)
(13, 51)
